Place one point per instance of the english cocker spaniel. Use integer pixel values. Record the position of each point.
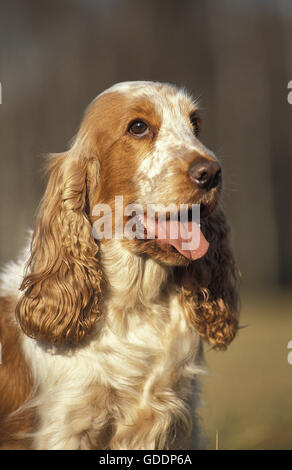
(102, 344)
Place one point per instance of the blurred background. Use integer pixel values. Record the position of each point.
(236, 56)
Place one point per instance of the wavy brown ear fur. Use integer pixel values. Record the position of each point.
(63, 285)
(209, 286)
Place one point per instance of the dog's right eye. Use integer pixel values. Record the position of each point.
(138, 128)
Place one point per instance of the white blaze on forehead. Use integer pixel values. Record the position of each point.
(175, 137)
(136, 88)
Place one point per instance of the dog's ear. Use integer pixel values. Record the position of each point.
(62, 288)
(209, 286)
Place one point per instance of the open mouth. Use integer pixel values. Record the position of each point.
(179, 232)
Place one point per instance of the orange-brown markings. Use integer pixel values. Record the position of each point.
(15, 382)
(119, 153)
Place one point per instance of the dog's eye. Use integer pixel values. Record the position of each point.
(138, 128)
(196, 123)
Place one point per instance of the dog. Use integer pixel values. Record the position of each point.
(102, 337)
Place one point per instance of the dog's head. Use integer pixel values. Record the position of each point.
(146, 138)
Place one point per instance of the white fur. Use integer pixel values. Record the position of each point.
(175, 140)
(134, 357)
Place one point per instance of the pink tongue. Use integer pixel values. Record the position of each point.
(190, 241)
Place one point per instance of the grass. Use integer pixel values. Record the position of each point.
(247, 395)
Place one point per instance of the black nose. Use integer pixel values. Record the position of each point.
(206, 174)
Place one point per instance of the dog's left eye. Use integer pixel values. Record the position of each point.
(196, 123)
(138, 128)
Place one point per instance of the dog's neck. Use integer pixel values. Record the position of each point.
(132, 279)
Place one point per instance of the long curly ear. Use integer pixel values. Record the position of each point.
(209, 286)
(62, 289)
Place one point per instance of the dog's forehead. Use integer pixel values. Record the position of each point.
(136, 87)
(162, 95)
